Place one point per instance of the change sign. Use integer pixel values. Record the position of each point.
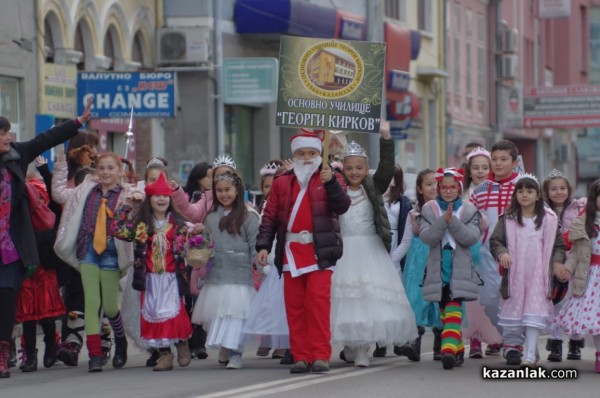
(150, 94)
(330, 84)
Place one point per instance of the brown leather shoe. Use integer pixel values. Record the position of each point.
(164, 361)
(183, 353)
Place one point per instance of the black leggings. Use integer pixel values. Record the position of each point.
(30, 332)
(8, 309)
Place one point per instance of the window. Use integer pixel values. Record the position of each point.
(396, 9)
(239, 140)
(468, 54)
(9, 102)
(584, 39)
(457, 31)
(480, 66)
(425, 15)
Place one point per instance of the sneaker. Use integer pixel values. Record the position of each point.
(320, 366)
(263, 351)
(235, 360)
(475, 349)
(460, 359)
(493, 349)
(224, 354)
(300, 367)
(95, 364)
(513, 358)
(597, 365)
(201, 353)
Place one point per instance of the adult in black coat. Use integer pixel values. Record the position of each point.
(18, 250)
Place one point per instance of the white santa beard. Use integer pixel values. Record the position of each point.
(305, 171)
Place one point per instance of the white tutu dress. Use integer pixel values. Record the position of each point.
(368, 302)
(267, 316)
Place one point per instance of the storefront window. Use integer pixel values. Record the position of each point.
(9, 102)
(239, 140)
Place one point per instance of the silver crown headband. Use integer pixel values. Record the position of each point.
(224, 160)
(354, 149)
(554, 173)
(155, 162)
(226, 177)
(269, 169)
(530, 176)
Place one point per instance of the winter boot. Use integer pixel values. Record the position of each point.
(201, 347)
(437, 344)
(555, 348)
(413, 349)
(575, 347)
(287, 359)
(50, 351)
(4, 358)
(150, 362)
(164, 362)
(30, 364)
(120, 357)
(379, 352)
(183, 353)
(68, 352)
(12, 362)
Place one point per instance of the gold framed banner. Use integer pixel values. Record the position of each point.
(330, 84)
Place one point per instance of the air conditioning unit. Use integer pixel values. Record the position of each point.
(509, 40)
(183, 46)
(509, 66)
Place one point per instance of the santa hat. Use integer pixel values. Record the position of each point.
(458, 175)
(159, 187)
(307, 139)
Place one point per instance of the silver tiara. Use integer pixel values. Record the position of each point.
(225, 177)
(530, 176)
(224, 160)
(155, 162)
(354, 149)
(269, 169)
(555, 174)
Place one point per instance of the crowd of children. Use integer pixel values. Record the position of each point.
(332, 255)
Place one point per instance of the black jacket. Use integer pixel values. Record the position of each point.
(16, 161)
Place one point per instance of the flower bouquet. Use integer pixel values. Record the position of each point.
(200, 248)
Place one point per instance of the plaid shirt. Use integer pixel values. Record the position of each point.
(90, 214)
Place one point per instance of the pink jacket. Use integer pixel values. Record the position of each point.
(195, 212)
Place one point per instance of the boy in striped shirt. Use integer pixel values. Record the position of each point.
(491, 198)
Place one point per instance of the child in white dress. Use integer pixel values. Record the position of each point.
(368, 302)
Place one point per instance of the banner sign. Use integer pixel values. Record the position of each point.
(150, 94)
(59, 95)
(330, 84)
(554, 8)
(572, 106)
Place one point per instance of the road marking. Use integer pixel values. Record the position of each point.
(300, 381)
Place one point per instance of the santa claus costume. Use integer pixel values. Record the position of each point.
(302, 211)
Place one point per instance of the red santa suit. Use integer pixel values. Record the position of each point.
(307, 289)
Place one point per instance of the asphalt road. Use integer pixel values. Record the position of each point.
(260, 377)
